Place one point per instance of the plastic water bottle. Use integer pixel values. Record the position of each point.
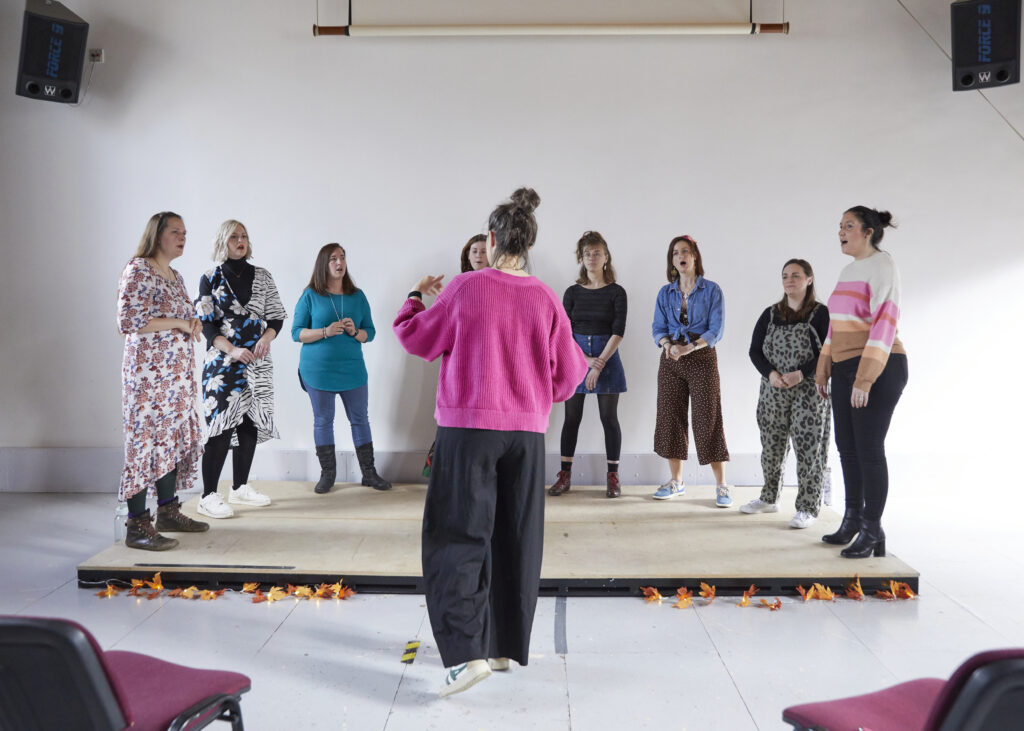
(120, 519)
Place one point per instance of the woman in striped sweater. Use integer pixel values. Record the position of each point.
(868, 367)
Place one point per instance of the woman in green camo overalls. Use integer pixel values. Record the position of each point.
(784, 348)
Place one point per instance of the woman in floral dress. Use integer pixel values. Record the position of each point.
(241, 314)
(162, 437)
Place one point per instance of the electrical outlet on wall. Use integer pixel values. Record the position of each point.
(96, 55)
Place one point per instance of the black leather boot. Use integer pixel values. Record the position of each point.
(871, 539)
(328, 468)
(142, 534)
(364, 453)
(170, 519)
(847, 529)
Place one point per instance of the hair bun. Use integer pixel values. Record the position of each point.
(886, 218)
(526, 199)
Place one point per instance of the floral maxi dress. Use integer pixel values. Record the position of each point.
(161, 424)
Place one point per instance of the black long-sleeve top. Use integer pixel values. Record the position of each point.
(596, 311)
(240, 275)
(819, 321)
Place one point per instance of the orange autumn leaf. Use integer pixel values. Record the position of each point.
(137, 583)
(156, 582)
(346, 592)
(684, 597)
(111, 590)
(823, 592)
(276, 593)
(708, 592)
(324, 591)
(289, 589)
(209, 595)
(745, 601)
(258, 596)
(773, 606)
(134, 591)
(153, 595)
(805, 594)
(175, 593)
(303, 592)
(190, 593)
(854, 590)
(250, 587)
(903, 591)
(650, 594)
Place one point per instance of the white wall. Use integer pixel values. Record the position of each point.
(399, 148)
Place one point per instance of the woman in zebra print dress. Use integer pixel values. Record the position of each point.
(241, 314)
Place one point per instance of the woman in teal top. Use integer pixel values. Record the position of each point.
(332, 321)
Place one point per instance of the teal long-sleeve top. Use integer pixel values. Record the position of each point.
(334, 364)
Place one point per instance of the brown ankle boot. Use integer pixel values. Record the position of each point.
(561, 485)
(613, 485)
(142, 534)
(170, 518)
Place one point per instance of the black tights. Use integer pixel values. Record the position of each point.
(608, 408)
(216, 455)
(164, 494)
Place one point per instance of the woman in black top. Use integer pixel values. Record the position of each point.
(596, 306)
(784, 348)
(241, 313)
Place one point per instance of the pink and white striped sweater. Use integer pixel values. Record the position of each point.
(864, 311)
(506, 347)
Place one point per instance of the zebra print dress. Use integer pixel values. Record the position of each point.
(231, 389)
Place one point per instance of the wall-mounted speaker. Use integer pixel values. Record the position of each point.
(986, 43)
(52, 52)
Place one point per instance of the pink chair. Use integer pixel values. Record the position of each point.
(986, 693)
(53, 675)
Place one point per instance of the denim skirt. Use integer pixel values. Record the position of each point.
(613, 377)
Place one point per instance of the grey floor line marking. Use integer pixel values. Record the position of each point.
(560, 644)
(278, 627)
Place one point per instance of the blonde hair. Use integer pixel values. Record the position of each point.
(149, 244)
(220, 240)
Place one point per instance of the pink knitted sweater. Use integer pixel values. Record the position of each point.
(506, 348)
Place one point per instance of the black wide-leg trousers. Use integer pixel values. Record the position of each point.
(483, 539)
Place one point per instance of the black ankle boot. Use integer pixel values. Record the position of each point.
(328, 468)
(847, 529)
(871, 539)
(364, 453)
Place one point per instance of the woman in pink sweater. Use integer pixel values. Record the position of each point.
(507, 353)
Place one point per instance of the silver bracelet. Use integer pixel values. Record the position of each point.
(325, 332)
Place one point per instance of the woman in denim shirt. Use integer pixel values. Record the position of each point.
(689, 319)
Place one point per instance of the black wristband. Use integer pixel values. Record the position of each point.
(415, 293)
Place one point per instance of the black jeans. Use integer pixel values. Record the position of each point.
(860, 433)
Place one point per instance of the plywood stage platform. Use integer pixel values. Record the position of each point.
(593, 545)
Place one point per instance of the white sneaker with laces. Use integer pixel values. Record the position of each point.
(212, 506)
(757, 505)
(465, 676)
(802, 520)
(248, 495)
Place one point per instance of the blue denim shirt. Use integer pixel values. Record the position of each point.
(705, 312)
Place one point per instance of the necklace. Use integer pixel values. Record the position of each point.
(330, 296)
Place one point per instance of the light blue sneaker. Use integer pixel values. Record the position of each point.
(669, 490)
(722, 498)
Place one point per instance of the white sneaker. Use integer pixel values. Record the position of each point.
(212, 506)
(465, 676)
(757, 505)
(802, 520)
(248, 495)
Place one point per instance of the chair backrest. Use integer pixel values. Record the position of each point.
(985, 693)
(52, 676)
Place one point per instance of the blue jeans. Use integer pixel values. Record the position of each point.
(356, 406)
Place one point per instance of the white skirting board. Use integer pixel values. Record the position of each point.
(85, 469)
